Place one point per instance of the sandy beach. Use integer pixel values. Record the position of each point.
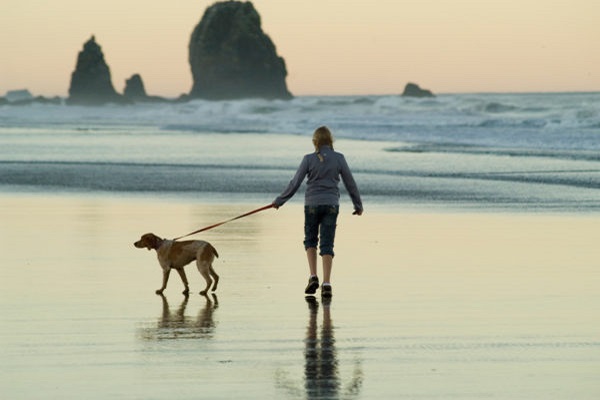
(426, 305)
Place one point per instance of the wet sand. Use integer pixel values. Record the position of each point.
(427, 305)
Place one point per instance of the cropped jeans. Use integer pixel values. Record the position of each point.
(319, 227)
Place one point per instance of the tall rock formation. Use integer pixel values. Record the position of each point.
(90, 82)
(231, 57)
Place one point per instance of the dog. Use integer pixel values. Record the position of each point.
(176, 255)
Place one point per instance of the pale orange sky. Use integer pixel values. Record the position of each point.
(330, 46)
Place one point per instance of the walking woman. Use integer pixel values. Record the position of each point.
(323, 168)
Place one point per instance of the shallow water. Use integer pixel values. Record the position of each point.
(426, 305)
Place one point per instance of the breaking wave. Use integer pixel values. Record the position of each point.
(537, 150)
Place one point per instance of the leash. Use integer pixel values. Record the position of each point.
(224, 222)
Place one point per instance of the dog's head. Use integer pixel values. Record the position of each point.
(149, 241)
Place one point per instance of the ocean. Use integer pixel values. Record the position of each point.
(534, 152)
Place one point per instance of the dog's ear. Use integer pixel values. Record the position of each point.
(154, 241)
(151, 241)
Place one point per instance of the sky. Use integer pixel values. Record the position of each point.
(331, 47)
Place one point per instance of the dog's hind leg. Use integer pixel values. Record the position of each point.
(214, 276)
(204, 269)
(184, 280)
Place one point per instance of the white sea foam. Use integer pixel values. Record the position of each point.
(355, 116)
(486, 149)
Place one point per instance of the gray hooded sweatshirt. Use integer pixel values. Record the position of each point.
(323, 170)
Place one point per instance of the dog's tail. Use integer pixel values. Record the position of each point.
(214, 251)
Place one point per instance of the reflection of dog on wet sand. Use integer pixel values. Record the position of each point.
(176, 255)
(176, 325)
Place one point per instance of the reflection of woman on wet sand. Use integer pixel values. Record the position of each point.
(321, 366)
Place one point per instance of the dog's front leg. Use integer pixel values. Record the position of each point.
(184, 280)
(166, 272)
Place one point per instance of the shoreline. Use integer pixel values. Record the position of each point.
(380, 204)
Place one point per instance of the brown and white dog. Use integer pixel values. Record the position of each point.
(176, 255)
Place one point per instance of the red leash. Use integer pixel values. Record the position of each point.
(224, 222)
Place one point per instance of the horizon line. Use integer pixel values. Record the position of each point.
(167, 97)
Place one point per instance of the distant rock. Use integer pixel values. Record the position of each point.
(413, 90)
(231, 57)
(136, 92)
(14, 96)
(90, 82)
(134, 88)
(47, 100)
(24, 97)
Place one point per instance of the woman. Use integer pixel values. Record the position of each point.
(323, 169)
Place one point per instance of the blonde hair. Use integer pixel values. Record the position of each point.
(322, 137)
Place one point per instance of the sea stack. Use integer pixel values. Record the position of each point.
(134, 88)
(413, 90)
(90, 82)
(231, 57)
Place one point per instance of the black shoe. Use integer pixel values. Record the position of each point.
(313, 285)
(326, 291)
